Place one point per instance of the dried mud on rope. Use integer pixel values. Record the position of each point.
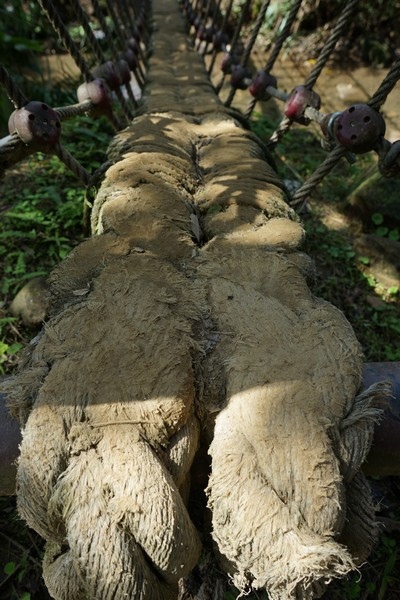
(187, 315)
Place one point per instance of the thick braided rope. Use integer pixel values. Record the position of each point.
(137, 313)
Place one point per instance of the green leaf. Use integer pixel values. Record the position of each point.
(3, 348)
(364, 260)
(394, 234)
(10, 568)
(377, 218)
(382, 231)
(14, 348)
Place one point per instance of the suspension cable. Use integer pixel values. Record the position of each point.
(250, 44)
(329, 46)
(13, 91)
(282, 37)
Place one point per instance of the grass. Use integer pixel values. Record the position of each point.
(41, 206)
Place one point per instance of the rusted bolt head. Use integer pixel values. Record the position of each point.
(36, 124)
(259, 84)
(300, 98)
(358, 128)
(99, 93)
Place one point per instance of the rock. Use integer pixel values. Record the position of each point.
(30, 304)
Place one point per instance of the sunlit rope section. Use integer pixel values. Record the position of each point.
(226, 33)
(113, 74)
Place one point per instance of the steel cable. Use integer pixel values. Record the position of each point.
(250, 45)
(327, 50)
(13, 91)
(282, 37)
(97, 51)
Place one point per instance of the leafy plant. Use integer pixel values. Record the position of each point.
(42, 220)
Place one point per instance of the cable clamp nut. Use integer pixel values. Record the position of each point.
(98, 92)
(259, 84)
(37, 125)
(359, 128)
(300, 98)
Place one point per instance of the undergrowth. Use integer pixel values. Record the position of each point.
(41, 220)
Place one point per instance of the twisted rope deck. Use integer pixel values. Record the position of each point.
(187, 314)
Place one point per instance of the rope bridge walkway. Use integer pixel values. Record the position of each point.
(228, 44)
(188, 394)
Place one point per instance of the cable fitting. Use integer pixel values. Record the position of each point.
(37, 125)
(98, 92)
(299, 100)
(108, 71)
(240, 77)
(260, 82)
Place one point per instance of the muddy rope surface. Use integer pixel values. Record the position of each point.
(186, 317)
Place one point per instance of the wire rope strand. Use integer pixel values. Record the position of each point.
(71, 162)
(217, 7)
(91, 38)
(222, 31)
(250, 45)
(204, 21)
(103, 24)
(328, 48)
(97, 51)
(331, 160)
(386, 86)
(121, 35)
(127, 17)
(74, 110)
(12, 151)
(14, 92)
(235, 38)
(69, 44)
(336, 33)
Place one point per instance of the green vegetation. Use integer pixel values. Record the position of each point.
(41, 205)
